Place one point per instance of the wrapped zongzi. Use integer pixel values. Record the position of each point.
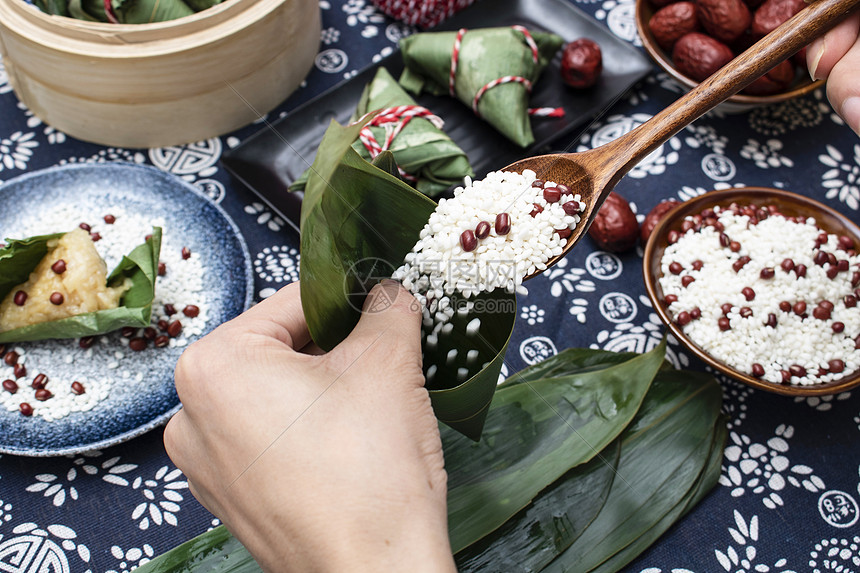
(492, 70)
(425, 155)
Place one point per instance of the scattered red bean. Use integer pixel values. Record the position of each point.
(832, 272)
(826, 304)
(162, 269)
(174, 328)
(723, 323)
(39, 381)
(59, 267)
(503, 222)
(787, 265)
(797, 370)
(846, 242)
(128, 331)
(571, 207)
(110, 219)
(799, 308)
(86, 341)
(11, 358)
(786, 376)
(725, 241)
(191, 310)
(697, 265)
(78, 388)
(819, 258)
(686, 280)
(675, 268)
(800, 270)
(43, 394)
(748, 293)
(757, 370)
(551, 194)
(137, 344)
(162, 325)
(20, 298)
(467, 240)
(683, 318)
(850, 301)
(746, 312)
(57, 298)
(95, 237)
(25, 409)
(740, 263)
(536, 210)
(563, 233)
(767, 273)
(670, 298)
(170, 309)
(565, 190)
(19, 370)
(734, 246)
(836, 366)
(695, 313)
(539, 183)
(161, 341)
(771, 320)
(820, 313)
(482, 230)
(150, 333)
(10, 386)
(838, 327)
(186, 253)
(842, 265)
(673, 237)
(85, 227)
(785, 306)
(726, 308)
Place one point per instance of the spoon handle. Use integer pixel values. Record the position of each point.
(622, 154)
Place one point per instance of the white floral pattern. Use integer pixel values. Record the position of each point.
(842, 180)
(161, 495)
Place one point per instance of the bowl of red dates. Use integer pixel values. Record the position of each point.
(778, 315)
(691, 39)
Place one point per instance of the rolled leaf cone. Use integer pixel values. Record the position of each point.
(358, 222)
(140, 267)
(146, 11)
(420, 149)
(485, 55)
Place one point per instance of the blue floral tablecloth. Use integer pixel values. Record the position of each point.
(790, 485)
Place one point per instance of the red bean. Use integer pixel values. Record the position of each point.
(19, 370)
(800, 270)
(723, 323)
(675, 268)
(128, 331)
(740, 263)
(785, 375)
(78, 388)
(137, 344)
(551, 194)
(767, 273)
(25, 409)
(20, 298)
(162, 269)
(846, 242)
(746, 312)
(842, 265)
(59, 267)
(820, 313)
(787, 265)
(39, 381)
(673, 237)
(161, 341)
(850, 301)
(799, 308)
(838, 327)
(95, 237)
(831, 272)
(757, 370)
(819, 258)
(785, 306)
(11, 358)
(683, 318)
(170, 309)
(836, 366)
(724, 240)
(482, 230)
(186, 253)
(174, 328)
(162, 325)
(86, 341)
(10, 386)
(571, 207)
(467, 240)
(43, 394)
(563, 233)
(686, 280)
(695, 313)
(797, 370)
(192, 310)
(771, 320)
(85, 227)
(726, 308)
(536, 210)
(150, 333)
(734, 246)
(110, 219)
(697, 265)
(748, 293)
(670, 298)
(503, 222)
(826, 304)
(565, 190)
(539, 183)
(57, 298)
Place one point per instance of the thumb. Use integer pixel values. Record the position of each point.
(390, 321)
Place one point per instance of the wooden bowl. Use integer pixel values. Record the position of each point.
(789, 204)
(803, 84)
(159, 84)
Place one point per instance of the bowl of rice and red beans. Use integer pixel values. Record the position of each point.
(763, 285)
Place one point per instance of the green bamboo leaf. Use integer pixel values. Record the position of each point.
(663, 452)
(140, 267)
(420, 149)
(146, 11)
(56, 7)
(534, 433)
(537, 534)
(358, 222)
(485, 54)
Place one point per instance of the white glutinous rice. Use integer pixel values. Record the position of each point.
(80, 373)
(490, 235)
(766, 294)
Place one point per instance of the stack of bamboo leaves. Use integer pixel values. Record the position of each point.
(577, 463)
(124, 11)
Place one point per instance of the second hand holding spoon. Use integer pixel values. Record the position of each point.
(594, 173)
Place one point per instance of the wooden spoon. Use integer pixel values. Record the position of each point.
(594, 173)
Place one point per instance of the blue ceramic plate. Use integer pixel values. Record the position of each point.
(127, 392)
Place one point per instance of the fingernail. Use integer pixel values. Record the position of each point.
(819, 52)
(383, 297)
(851, 113)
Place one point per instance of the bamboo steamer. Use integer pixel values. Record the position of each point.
(159, 84)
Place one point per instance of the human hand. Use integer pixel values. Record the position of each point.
(326, 462)
(836, 58)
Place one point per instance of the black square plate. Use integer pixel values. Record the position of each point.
(268, 161)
